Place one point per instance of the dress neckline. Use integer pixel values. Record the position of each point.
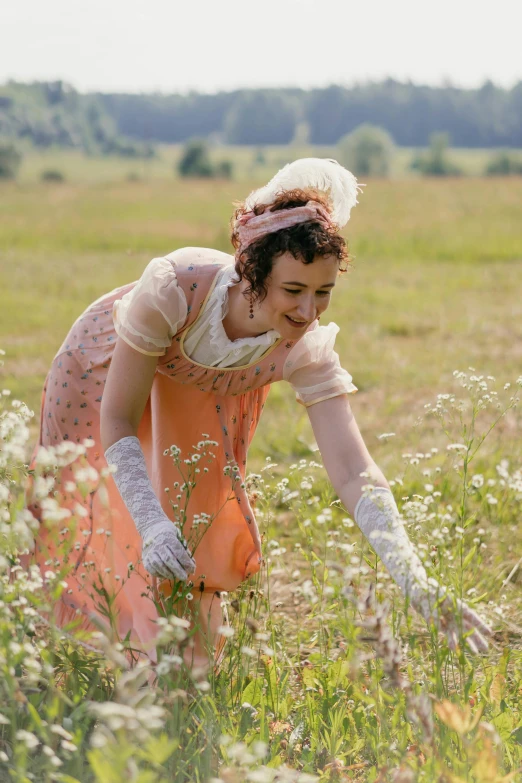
(232, 342)
(220, 307)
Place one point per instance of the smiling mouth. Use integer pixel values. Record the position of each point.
(296, 323)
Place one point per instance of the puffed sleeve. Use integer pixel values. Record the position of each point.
(148, 316)
(313, 368)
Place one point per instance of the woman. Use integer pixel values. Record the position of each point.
(187, 354)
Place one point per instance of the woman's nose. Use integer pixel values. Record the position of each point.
(307, 309)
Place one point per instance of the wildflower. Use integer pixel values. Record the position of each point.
(179, 622)
(28, 737)
(45, 457)
(98, 740)
(226, 630)
(86, 474)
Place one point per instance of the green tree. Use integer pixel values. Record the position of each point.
(10, 160)
(261, 117)
(195, 160)
(367, 150)
(503, 164)
(52, 175)
(224, 169)
(435, 162)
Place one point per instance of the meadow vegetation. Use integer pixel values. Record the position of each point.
(249, 163)
(327, 675)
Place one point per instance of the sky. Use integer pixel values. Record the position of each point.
(209, 45)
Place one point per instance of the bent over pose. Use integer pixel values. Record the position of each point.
(188, 352)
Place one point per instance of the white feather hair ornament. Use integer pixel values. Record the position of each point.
(323, 174)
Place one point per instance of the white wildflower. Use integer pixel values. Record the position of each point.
(28, 737)
(226, 631)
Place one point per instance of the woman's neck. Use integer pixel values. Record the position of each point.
(237, 323)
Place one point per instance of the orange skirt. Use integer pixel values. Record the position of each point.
(104, 551)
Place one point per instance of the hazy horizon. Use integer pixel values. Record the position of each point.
(206, 47)
(188, 91)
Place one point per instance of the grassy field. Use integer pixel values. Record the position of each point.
(249, 163)
(434, 288)
(431, 288)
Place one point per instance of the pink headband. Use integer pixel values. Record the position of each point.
(251, 227)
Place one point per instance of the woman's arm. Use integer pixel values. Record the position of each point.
(126, 392)
(343, 450)
(345, 457)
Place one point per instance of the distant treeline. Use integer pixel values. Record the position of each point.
(55, 113)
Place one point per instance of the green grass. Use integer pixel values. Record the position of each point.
(79, 169)
(434, 288)
(431, 288)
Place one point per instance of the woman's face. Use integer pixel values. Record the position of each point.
(297, 294)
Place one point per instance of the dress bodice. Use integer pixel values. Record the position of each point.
(197, 282)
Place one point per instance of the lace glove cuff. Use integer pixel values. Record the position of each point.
(163, 552)
(378, 517)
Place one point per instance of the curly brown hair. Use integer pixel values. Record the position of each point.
(305, 241)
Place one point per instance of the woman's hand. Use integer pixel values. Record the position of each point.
(378, 517)
(163, 553)
(350, 467)
(450, 615)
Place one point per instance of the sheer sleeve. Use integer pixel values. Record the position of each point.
(148, 316)
(313, 368)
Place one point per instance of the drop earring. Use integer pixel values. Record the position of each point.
(251, 308)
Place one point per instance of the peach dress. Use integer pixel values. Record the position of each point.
(189, 401)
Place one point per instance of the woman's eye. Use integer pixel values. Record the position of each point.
(298, 291)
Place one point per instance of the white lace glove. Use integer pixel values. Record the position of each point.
(163, 554)
(378, 517)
